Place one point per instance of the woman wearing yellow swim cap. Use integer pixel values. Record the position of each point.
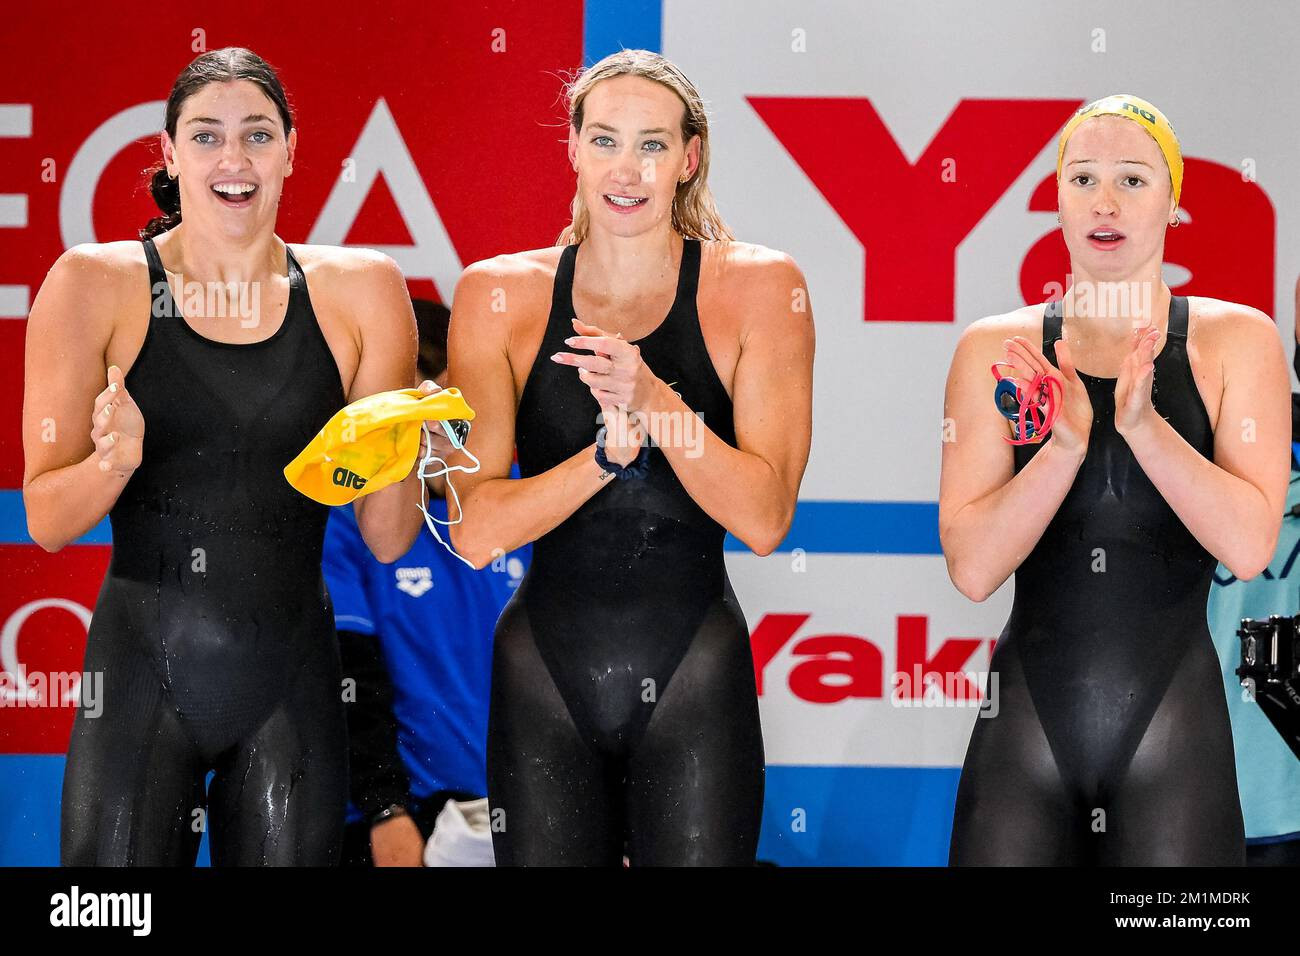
(183, 371)
(1107, 737)
(623, 708)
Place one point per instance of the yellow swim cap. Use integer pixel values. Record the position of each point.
(1142, 113)
(370, 444)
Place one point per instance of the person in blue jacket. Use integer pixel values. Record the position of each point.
(1268, 773)
(416, 639)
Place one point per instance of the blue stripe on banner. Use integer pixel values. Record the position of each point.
(812, 816)
(860, 527)
(825, 527)
(858, 816)
(31, 795)
(31, 789)
(13, 523)
(612, 25)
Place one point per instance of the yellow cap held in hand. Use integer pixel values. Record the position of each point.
(370, 444)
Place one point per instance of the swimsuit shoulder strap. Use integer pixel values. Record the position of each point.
(1052, 315)
(158, 288)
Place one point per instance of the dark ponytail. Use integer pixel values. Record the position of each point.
(166, 193)
(215, 66)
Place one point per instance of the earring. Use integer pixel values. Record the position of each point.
(1174, 223)
(1058, 220)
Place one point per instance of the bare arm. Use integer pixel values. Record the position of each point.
(501, 514)
(65, 491)
(389, 519)
(751, 489)
(990, 518)
(1233, 504)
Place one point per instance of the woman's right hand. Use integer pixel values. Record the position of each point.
(1073, 424)
(624, 436)
(117, 427)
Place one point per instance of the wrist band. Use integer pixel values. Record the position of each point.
(389, 813)
(636, 469)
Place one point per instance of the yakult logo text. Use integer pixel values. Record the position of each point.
(835, 667)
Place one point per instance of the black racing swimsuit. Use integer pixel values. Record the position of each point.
(1111, 743)
(213, 628)
(623, 709)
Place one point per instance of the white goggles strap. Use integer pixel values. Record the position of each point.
(446, 470)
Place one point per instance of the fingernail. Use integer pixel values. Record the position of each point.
(569, 341)
(555, 357)
(113, 387)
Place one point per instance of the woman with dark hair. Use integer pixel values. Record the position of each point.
(205, 366)
(623, 710)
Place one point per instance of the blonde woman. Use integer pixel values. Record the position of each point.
(1110, 744)
(656, 377)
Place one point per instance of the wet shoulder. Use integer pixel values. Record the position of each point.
(342, 278)
(513, 288)
(95, 290)
(1223, 336)
(984, 337)
(335, 271)
(527, 273)
(747, 268)
(1219, 329)
(1026, 320)
(742, 283)
(103, 268)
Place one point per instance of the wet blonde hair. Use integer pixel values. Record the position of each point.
(695, 215)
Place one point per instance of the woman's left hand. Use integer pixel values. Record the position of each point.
(615, 373)
(1133, 386)
(441, 445)
(428, 387)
